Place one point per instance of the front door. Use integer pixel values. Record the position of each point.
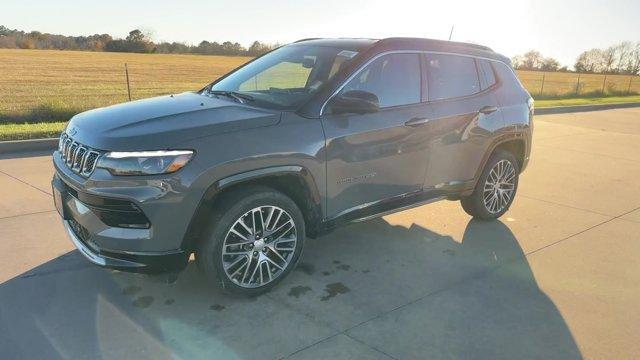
(376, 156)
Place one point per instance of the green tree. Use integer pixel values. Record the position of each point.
(136, 35)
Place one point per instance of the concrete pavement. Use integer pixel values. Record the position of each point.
(557, 277)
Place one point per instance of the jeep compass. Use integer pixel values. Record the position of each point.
(309, 136)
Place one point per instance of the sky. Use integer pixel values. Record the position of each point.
(558, 28)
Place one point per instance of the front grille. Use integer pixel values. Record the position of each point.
(79, 158)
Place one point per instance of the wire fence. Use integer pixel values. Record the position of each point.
(543, 84)
(43, 86)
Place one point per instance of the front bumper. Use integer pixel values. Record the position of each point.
(88, 217)
(140, 262)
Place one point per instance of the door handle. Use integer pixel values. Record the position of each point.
(415, 122)
(488, 109)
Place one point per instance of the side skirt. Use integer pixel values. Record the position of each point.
(384, 207)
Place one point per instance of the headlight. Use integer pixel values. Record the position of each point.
(145, 162)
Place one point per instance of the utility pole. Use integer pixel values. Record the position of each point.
(451, 32)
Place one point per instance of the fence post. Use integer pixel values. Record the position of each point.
(542, 87)
(629, 86)
(604, 82)
(126, 71)
(578, 85)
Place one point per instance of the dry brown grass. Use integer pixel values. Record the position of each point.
(34, 83)
(43, 85)
(566, 84)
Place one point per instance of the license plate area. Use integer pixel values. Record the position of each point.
(59, 196)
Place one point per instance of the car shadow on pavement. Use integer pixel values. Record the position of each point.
(408, 291)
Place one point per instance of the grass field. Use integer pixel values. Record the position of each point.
(542, 103)
(31, 131)
(43, 85)
(558, 84)
(52, 86)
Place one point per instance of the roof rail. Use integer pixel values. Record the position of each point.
(469, 45)
(442, 42)
(307, 39)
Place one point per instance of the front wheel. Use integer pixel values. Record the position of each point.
(254, 243)
(495, 189)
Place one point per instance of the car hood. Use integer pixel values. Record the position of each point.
(164, 122)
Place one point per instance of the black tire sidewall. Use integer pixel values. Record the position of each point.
(210, 252)
(474, 204)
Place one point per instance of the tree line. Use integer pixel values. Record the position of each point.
(136, 42)
(622, 58)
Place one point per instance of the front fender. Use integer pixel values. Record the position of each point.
(306, 194)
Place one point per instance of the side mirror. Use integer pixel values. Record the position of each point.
(354, 101)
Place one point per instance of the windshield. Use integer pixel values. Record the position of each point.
(286, 77)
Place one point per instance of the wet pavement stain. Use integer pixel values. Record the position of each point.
(297, 291)
(306, 268)
(171, 278)
(333, 290)
(216, 307)
(131, 290)
(143, 302)
(169, 301)
(326, 273)
(344, 267)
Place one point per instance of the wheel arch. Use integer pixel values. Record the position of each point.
(515, 147)
(513, 143)
(294, 181)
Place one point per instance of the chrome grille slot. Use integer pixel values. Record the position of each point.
(72, 154)
(80, 154)
(90, 162)
(79, 158)
(63, 138)
(65, 151)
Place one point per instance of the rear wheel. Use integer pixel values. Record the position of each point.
(495, 189)
(254, 243)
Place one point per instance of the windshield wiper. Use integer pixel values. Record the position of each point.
(238, 96)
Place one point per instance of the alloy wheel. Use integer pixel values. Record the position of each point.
(259, 246)
(499, 186)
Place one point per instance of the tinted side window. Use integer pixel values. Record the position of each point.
(393, 78)
(450, 76)
(487, 75)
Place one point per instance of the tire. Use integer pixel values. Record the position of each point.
(503, 167)
(259, 249)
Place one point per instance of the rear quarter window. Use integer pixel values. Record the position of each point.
(487, 75)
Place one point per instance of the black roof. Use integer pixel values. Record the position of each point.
(403, 43)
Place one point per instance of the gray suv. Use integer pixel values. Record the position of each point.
(312, 135)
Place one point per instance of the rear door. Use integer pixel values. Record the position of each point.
(376, 156)
(465, 115)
